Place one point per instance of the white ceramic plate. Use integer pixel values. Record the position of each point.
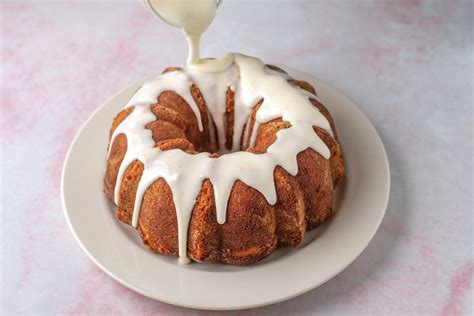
(118, 250)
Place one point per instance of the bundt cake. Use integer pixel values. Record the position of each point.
(223, 166)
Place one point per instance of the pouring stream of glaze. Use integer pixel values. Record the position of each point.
(252, 82)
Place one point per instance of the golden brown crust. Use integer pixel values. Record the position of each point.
(176, 143)
(119, 119)
(336, 161)
(275, 68)
(163, 130)
(314, 174)
(128, 191)
(171, 69)
(248, 233)
(253, 228)
(157, 223)
(314, 178)
(289, 208)
(266, 134)
(117, 153)
(303, 85)
(252, 123)
(172, 100)
(205, 135)
(324, 111)
(204, 233)
(166, 114)
(229, 118)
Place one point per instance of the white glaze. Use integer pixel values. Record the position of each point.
(192, 16)
(213, 87)
(138, 138)
(251, 82)
(185, 173)
(176, 81)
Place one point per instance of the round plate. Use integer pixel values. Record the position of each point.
(117, 249)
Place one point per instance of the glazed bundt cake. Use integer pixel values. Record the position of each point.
(223, 166)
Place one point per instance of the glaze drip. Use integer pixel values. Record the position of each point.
(251, 82)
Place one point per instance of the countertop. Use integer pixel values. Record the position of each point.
(408, 64)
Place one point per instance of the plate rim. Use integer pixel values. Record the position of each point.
(243, 306)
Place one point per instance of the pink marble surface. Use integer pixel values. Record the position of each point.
(409, 65)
